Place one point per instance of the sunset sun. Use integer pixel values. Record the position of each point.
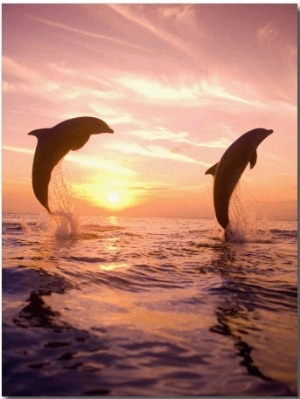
(113, 198)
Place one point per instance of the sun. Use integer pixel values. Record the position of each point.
(113, 198)
(111, 195)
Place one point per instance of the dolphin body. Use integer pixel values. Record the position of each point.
(229, 169)
(54, 143)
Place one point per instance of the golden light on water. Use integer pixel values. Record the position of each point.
(114, 266)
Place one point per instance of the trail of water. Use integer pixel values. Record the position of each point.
(244, 226)
(64, 221)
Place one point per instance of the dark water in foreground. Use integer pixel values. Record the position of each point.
(147, 307)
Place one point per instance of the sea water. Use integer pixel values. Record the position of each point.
(147, 307)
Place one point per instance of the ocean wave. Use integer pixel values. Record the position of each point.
(146, 305)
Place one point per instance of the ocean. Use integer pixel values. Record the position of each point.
(118, 306)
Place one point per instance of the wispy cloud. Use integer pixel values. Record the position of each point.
(93, 35)
(29, 79)
(153, 151)
(270, 37)
(218, 91)
(162, 133)
(154, 90)
(97, 93)
(156, 19)
(79, 92)
(196, 92)
(86, 161)
(20, 150)
(148, 187)
(92, 162)
(54, 79)
(267, 33)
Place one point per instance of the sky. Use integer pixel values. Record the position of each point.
(178, 83)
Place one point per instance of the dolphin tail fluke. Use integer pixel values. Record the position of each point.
(212, 170)
(253, 159)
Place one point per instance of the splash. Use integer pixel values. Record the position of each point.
(244, 224)
(66, 223)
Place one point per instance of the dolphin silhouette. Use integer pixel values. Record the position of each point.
(54, 143)
(229, 169)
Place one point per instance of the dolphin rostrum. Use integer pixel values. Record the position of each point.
(54, 143)
(229, 169)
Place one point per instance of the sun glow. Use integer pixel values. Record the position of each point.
(117, 200)
(107, 191)
(113, 198)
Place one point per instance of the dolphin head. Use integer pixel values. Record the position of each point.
(248, 143)
(96, 125)
(263, 132)
(258, 135)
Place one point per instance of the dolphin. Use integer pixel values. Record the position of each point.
(54, 143)
(229, 169)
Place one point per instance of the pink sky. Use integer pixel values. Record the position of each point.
(178, 83)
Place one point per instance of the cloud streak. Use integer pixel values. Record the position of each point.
(157, 19)
(86, 161)
(195, 92)
(162, 133)
(85, 33)
(20, 150)
(26, 79)
(153, 151)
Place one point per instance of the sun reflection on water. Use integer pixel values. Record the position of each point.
(113, 266)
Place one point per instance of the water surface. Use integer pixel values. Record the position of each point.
(147, 307)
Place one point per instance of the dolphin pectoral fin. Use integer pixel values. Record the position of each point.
(77, 147)
(80, 142)
(253, 159)
(212, 170)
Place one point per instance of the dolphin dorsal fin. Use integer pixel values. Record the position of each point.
(38, 132)
(253, 159)
(212, 170)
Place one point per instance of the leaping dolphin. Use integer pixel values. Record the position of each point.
(54, 143)
(229, 169)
